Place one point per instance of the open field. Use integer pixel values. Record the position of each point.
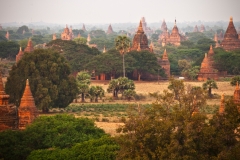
(109, 114)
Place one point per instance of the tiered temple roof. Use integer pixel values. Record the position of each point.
(67, 34)
(27, 110)
(231, 41)
(8, 112)
(110, 30)
(164, 26)
(207, 70)
(140, 41)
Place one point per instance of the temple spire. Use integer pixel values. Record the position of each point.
(140, 28)
(165, 56)
(222, 106)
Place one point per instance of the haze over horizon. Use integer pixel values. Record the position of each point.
(113, 11)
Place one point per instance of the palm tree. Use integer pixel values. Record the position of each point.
(210, 84)
(122, 44)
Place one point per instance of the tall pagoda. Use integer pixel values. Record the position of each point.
(165, 64)
(140, 41)
(231, 40)
(110, 30)
(27, 110)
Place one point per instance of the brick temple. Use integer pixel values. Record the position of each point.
(207, 71)
(29, 48)
(67, 34)
(231, 39)
(110, 30)
(164, 63)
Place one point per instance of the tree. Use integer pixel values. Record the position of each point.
(234, 80)
(22, 28)
(48, 74)
(54, 133)
(83, 82)
(120, 85)
(176, 86)
(209, 85)
(9, 49)
(95, 92)
(187, 70)
(122, 45)
(129, 94)
(80, 40)
(145, 62)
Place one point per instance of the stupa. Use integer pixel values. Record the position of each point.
(29, 47)
(207, 70)
(164, 26)
(216, 41)
(195, 29)
(8, 112)
(231, 40)
(202, 28)
(236, 96)
(110, 30)
(7, 35)
(27, 110)
(19, 55)
(164, 63)
(222, 105)
(140, 41)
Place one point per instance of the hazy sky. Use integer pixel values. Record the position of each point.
(117, 11)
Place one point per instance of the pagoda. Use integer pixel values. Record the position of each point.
(216, 41)
(231, 40)
(222, 105)
(83, 28)
(207, 70)
(164, 26)
(54, 37)
(19, 55)
(146, 29)
(165, 64)
(8, 112)
(140, 41)
(7, 35)
(202, 28)
(236, 96)
(175, 38)
(110, 30)
(27, 110)
(196, 29)
(67, 34)
(29, 47)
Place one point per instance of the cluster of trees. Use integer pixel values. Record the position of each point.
(176, 127)
(48, 73)
(58, 137)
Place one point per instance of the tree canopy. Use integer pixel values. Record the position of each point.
(48, 74)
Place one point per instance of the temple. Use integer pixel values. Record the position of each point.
(29, 47)
(222, 105)
(19, 55)
(231, 40)
(202, 28)
(83, 28)
(140, 41)
(216, 41)
(67, 34)
(236, 96)
(196, 29)
(27, 110)
(110, 30)
(8, 112)
(88, 39)
(164, 63)
(174, 38)
(54, 37)
(146, 29)
(7, 35)
(207, 70)
(164, 26)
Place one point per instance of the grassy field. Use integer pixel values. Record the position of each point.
(108, 114)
